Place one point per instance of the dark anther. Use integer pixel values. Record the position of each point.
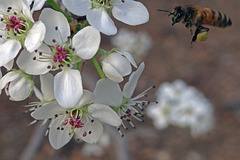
(58, 128)
(89, 132)
(56, 28)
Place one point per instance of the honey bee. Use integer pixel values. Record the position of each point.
(195, 16)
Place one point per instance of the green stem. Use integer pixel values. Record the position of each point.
(57, 8)
(102, 52)
(79, 66)
(98, 68)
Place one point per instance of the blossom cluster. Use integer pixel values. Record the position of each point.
(46, 48)
(181, 105)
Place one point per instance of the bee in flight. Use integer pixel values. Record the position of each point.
(195, 16)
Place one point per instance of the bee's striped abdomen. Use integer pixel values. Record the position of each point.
(215, 18)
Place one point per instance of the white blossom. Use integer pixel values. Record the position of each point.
(97, 12)
(17, 84)
(63, 54)
(109, 93)
(83, 120)
(116, 65)
(17, 29)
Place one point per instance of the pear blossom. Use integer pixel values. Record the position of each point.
(17, 29)
(116, 65)
(109, 93)
(97, 13)
(63, 54)
(18, 85)
(83, 120)
(182, 106)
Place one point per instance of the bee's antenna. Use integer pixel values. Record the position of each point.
(170, 13)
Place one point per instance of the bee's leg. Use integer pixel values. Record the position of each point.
(188, 25)
(199, 29)
(194, 38)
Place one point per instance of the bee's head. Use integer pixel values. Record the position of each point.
(178, 14)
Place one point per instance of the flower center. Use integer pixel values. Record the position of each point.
(74, 121)
(60, 54)
(16, 25)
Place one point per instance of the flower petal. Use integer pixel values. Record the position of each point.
(108, 92)
(9, 50)
(30, 63)
(86, 42)
(37, 93)
(130, 86)
(58, 20)
(9, 65)
(131, 12)
(57, 137)
(68, 88)
(91, 132)
(86, 98)
(37, 5)
(46, 111)
(35, 36)
(77, 7)
(100, 19)
(20, 88)
(104, 114)
(111, 72)
(129, 57)
(47, 86)
(10, 76)
(119, 62)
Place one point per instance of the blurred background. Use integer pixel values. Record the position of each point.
(212, 66)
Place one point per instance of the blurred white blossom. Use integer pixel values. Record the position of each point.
(97, 13)
(97, 149)
(183, 106)
(136, 43)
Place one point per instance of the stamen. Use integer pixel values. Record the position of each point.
(33, 122)
(130, 122)
(121, 134)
